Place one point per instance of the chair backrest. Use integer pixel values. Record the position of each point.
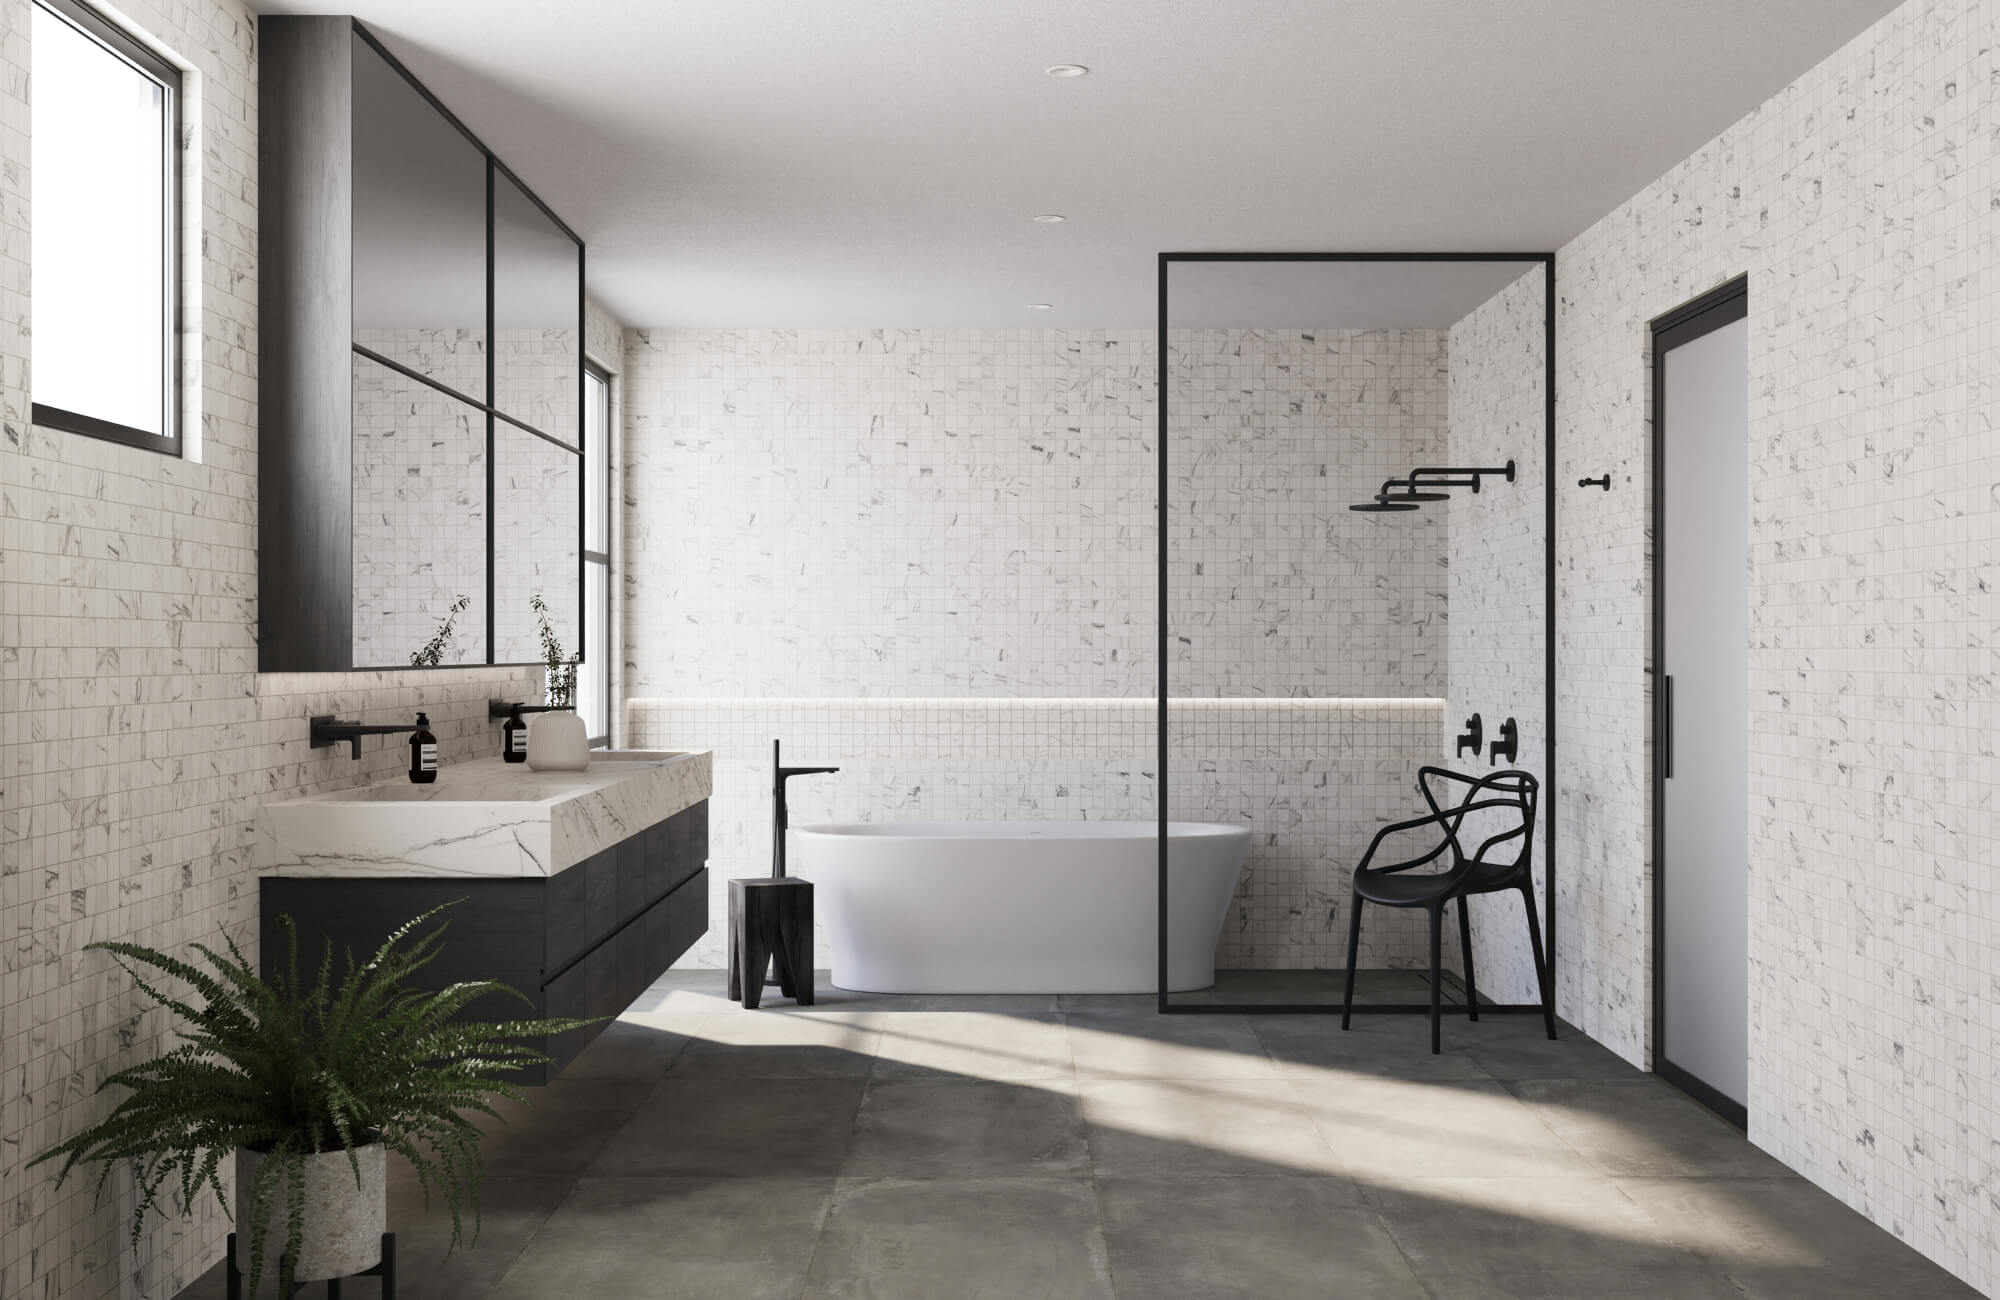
(1500, 831)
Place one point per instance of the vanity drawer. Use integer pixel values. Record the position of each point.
(612, 975)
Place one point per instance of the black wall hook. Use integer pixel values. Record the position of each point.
(1604, 482)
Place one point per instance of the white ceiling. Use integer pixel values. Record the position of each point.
(876, 162)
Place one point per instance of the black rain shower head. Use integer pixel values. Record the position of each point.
(1410, 493)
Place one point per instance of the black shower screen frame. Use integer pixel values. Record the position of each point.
(1547, 261)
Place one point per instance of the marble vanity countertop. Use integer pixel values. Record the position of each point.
(482, 818)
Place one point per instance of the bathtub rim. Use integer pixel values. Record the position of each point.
(1024, 829)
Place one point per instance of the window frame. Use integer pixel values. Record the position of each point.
(597, 622)
(122, 45)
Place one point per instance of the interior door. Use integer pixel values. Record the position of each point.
(1702, 803)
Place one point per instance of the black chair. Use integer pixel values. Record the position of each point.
(1502, 803)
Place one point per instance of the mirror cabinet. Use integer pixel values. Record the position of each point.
(421, 375)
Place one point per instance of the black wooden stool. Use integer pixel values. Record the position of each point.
(770, 918)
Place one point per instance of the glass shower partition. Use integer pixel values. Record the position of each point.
(1313, 655)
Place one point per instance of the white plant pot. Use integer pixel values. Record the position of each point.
(344, 1221)
(558, 742)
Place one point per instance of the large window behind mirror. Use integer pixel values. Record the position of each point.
(103, 154)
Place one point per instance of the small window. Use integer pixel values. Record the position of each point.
(593, 678)
(105, 198)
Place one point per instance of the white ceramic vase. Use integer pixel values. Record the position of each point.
(344, 1221)
(558, 742)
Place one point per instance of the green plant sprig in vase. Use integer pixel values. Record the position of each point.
(288, 1070)
(561, 669)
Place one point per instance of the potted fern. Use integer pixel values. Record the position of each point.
(309, 1085)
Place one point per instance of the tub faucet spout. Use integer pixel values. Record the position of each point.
(780, 818)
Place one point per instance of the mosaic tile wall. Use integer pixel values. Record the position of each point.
(1277, 587)
(1861, 203)
(1498, 636)
(968, 515)
(136, 736)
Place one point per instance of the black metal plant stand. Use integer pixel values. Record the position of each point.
(385, 1269)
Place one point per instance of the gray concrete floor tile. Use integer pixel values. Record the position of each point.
(973, 1045)
(737, 1127)
(1196, 1127)
(964, 1128)
(1514, 1048)
(1257, 1238)
(635, 1047)
(1382, 1129)
(1167, 1047)
(1780, 1238)
(1642, 1127)
(781, 1042)
(1385, 1047)
(979, 1239)
(558, 1129)
(688, 1238)
(1545, 1238)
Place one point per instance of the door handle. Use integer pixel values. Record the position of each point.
(1666, 728)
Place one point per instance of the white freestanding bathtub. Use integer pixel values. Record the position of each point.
(1018, 906)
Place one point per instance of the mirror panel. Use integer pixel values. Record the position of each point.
(537, 315)
(538, 503)
(419, 519)
(419, 231)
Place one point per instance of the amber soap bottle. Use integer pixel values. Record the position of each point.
(423, 753)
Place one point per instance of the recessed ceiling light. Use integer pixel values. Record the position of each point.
(1041, 306)
(1050, 218)
(1066, 70)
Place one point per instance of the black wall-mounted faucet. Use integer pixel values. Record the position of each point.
(328, 730)
(1509, 743)
(1601, 482)
(1474, 737)
(780, 816)
(496, 710)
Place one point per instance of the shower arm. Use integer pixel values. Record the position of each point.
(1470, 476)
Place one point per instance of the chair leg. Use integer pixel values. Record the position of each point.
(1465, 952)
(1437, 984)
(1353, 951)
(1543, 977)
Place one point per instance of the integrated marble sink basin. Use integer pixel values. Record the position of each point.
(482, 818)
(516, 784)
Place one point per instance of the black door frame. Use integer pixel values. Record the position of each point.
(1547, 261)
(1724, 305)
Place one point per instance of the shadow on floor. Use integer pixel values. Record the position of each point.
(1087, 1146)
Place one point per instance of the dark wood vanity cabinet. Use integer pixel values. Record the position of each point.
(585, 942)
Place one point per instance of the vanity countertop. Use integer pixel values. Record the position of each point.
(487, 817)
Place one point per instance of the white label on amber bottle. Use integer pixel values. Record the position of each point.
(427, 758)
(517, 740)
